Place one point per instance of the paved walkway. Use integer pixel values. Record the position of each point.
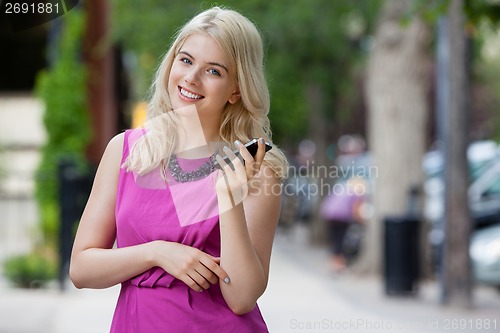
(302, 296)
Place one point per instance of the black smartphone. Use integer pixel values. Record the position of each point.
(252, 147)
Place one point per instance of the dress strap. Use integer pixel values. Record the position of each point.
(125, 150)
(131, 136)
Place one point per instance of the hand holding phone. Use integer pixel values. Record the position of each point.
(252, 146)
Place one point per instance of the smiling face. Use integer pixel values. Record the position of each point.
(201, 75)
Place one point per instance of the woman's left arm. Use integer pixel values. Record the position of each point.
(247, 233)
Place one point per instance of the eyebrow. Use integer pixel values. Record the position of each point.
(210, 63)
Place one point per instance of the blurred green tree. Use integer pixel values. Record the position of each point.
(62, 89)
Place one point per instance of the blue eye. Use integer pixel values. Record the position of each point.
(214, 71)
(186, 61)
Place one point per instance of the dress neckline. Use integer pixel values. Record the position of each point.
(182, 176)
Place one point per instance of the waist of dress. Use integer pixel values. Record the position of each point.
(153, 278)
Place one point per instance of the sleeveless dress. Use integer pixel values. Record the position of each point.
(147, 209)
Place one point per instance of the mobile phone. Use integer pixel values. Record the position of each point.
(252, 147)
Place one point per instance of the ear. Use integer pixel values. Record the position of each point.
(234, 97)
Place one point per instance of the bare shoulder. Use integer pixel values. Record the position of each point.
(111, 159)
(116, 143)
(114, 148)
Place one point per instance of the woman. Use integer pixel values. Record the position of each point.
(183, 266)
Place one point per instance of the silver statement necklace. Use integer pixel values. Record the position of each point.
(183, 177)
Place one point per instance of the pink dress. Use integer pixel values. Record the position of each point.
(148, 209)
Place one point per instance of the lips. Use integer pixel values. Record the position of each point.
(189, 95)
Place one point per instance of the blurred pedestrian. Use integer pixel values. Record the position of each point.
(342, 207)
(340, 210)
(193, 242)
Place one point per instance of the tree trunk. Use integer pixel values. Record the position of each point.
(397, 86)
(456, 272)
(317, 133)
(101, 94)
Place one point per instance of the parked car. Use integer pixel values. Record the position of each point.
(485, 255)
(481, 156)
(484, 196)
(483, 193)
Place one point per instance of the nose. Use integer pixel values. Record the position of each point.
(192, 77)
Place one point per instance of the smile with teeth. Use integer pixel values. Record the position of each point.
(189, 94)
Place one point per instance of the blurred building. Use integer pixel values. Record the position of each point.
(22, 133)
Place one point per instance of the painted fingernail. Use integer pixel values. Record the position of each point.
(226, 148)
(237, 143)
(261, 140)
(226, 279)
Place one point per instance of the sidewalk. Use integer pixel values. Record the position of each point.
(51, 311)
(302, 296)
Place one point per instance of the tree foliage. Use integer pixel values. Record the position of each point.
(62, 89)
(476, 10)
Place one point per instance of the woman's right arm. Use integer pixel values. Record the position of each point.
(94, 261)
(94, 264)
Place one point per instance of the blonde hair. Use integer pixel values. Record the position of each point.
(246, 119)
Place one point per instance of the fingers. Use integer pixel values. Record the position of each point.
(235, 161)
(198, 281)
(213, 265)
(244, 153)
(232, 185)
(197, 269)
(222, 163)
(259, 157)
(253, 163)
(205, 273)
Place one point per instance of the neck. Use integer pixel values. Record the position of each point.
(211, 128)
(211, 135)
(196, 132)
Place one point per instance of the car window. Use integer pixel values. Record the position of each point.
(477, 169)
(493, 190)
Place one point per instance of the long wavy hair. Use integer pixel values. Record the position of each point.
(248, 118)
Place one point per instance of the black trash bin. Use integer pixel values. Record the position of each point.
(74, 188)
(401, 255)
